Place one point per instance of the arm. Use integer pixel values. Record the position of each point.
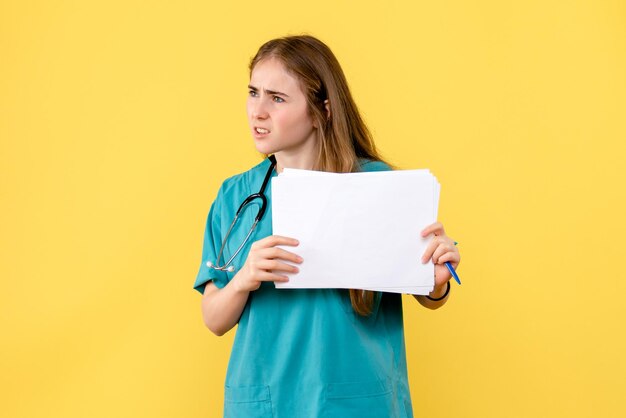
(222, 308)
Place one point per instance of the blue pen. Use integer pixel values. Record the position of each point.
(451, 269)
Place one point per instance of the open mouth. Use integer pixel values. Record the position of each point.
(261, 131)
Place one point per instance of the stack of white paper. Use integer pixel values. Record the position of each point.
(357, 230)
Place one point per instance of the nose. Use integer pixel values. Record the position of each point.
(258, 108)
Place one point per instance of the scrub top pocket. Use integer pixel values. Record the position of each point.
(247, 402)
(372, 399)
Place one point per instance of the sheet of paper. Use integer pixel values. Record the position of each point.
(357, 230)
(424, 171)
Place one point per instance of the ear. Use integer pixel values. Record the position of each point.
(327, 107)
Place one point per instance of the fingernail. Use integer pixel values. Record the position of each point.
(300, 259)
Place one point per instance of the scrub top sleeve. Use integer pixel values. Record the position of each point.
(210, 247)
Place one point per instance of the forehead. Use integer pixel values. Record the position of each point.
(271, 74)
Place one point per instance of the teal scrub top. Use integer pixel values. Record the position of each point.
(303, 352)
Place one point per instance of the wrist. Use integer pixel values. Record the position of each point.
(236, 283)
(439, 292)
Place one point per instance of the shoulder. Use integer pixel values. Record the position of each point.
(373, 165)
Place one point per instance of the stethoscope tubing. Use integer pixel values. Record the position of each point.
(260, 195)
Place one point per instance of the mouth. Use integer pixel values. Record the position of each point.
(260, 132)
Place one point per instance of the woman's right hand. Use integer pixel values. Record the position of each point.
(263, 257)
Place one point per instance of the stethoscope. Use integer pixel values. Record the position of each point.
(260, 195)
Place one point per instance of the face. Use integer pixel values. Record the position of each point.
(277, 111)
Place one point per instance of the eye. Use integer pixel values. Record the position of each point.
(252, 93)
(278, 99)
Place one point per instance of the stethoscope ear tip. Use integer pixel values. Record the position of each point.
(209, 264)
(230, 269)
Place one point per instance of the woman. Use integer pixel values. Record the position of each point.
(303, 352)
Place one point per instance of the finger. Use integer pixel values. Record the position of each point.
(436, 228)
(275, 252)
(442, 249)
(276, 265)
(267, 276)
(430, 249)
(453, 257)
(274, 240)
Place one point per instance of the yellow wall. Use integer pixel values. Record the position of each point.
(119, 120)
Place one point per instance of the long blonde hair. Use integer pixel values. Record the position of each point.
(342, 135)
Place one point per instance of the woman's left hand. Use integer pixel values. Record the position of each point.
(440, 250)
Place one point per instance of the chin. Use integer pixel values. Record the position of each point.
(265, 148)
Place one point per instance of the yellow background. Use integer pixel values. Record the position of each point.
(120, 119)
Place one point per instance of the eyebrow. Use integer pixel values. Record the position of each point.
(251, 87)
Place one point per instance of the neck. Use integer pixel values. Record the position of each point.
(304, 161)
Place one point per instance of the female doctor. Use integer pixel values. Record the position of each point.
(303, 352)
